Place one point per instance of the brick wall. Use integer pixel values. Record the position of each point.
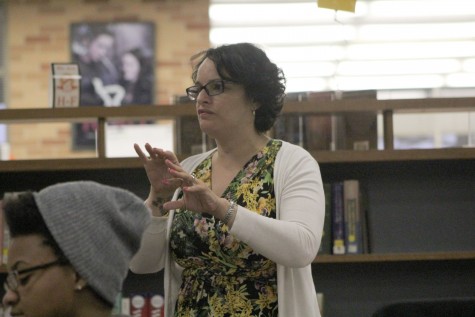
(38, 34)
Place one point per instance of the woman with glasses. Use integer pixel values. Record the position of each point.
(70, 247)
(236, 228)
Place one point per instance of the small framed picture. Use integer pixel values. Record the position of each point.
(65, 85)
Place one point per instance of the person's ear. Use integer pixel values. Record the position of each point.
(80, 283)
(254, 107)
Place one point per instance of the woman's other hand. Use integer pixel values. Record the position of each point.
(197, 196)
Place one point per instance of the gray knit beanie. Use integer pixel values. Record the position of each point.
(99, 229)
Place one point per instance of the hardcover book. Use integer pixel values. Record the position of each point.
(338, 221)
(318, 127)
(289, 127)
(4, 238)
(2, 224)
(352, 217)
(326, 243)
(355, 130)
(312, 131)
(157, 305)
(139, 305)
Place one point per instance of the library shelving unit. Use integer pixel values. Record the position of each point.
(421, 206)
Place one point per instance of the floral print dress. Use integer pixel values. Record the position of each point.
(223, 276)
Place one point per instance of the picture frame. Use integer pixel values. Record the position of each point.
(117, 65)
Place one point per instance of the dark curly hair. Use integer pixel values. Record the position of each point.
(248, 65)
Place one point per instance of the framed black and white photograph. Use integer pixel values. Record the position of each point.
(116, 65)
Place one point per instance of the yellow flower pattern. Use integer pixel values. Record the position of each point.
(222, 275)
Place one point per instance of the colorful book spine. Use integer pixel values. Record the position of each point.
(352, 217)
(338, 222)
(157, 305)
(117, 309)
(5, 242)
(139, 306)
(326, 243)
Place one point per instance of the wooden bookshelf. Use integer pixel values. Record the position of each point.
(323, 157)
(385, 107)
(432, 261)
(395, 257)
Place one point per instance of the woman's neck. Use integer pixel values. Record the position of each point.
(239, 150)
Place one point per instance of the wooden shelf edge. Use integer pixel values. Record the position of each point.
(322, 107)
(323, 157)
(68, 164)
(72, 164)
(348, 156)
(395, 257)
(81, 113)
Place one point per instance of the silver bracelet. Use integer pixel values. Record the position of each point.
(231, 210)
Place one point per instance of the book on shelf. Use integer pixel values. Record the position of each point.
(124, 306)
(338, 221)
(4, 236)
(1, 230)
(322, 132)
(349, 221)
(117, 308)
(289, 127)
(157, 305)
(365, 218)
(5, 243)
(139, 305)
(352, 215)
(145, 305)
(355, 130)
(311, 131)
(318, 127)
(326, 243)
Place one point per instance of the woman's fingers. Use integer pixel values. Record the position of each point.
(153, 153)
(176, 171)
(139, 152)
(173, 182)
(174, 204)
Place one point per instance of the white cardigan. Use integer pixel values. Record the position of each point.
(292, 240)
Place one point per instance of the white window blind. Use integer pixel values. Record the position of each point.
(423, 46)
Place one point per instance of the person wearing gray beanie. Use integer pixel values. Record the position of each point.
(70, 248)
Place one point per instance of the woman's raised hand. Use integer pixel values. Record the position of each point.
(162, 183)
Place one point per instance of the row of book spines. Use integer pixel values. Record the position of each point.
(139, 305)
(345, 226)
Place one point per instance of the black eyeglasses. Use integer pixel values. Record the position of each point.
(13, 279)
(212, 88)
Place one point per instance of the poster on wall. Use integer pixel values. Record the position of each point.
(116, 62)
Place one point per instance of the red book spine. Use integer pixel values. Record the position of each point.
(157, 306)
(139, 306)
